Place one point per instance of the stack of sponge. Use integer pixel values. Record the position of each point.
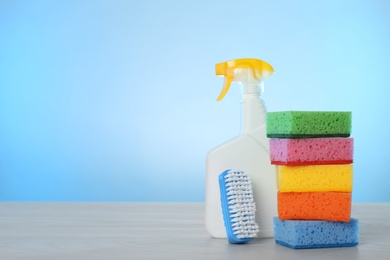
(313, 155)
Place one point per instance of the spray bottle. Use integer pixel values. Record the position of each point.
(249, 151)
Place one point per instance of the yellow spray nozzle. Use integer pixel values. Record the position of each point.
(260, 70)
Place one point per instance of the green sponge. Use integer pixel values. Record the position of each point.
(305, 124)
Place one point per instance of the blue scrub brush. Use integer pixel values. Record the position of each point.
(238, 207)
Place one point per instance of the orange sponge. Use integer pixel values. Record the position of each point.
(332, 206)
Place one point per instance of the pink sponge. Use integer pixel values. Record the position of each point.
(308, 151)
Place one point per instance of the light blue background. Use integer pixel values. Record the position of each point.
(115, 100)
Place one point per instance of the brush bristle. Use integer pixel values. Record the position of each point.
(238, 205)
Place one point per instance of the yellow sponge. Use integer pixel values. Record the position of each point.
(309, 178)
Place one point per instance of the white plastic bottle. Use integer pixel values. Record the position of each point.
(249, 151)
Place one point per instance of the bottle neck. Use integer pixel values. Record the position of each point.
(253, 109)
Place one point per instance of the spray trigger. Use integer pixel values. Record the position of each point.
(258, 70)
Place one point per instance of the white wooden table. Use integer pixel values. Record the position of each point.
(157, 231)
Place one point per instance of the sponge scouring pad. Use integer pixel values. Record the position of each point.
(308, 151)
(300, 124)
(330, 177)
(316, 234)
(332, 206)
